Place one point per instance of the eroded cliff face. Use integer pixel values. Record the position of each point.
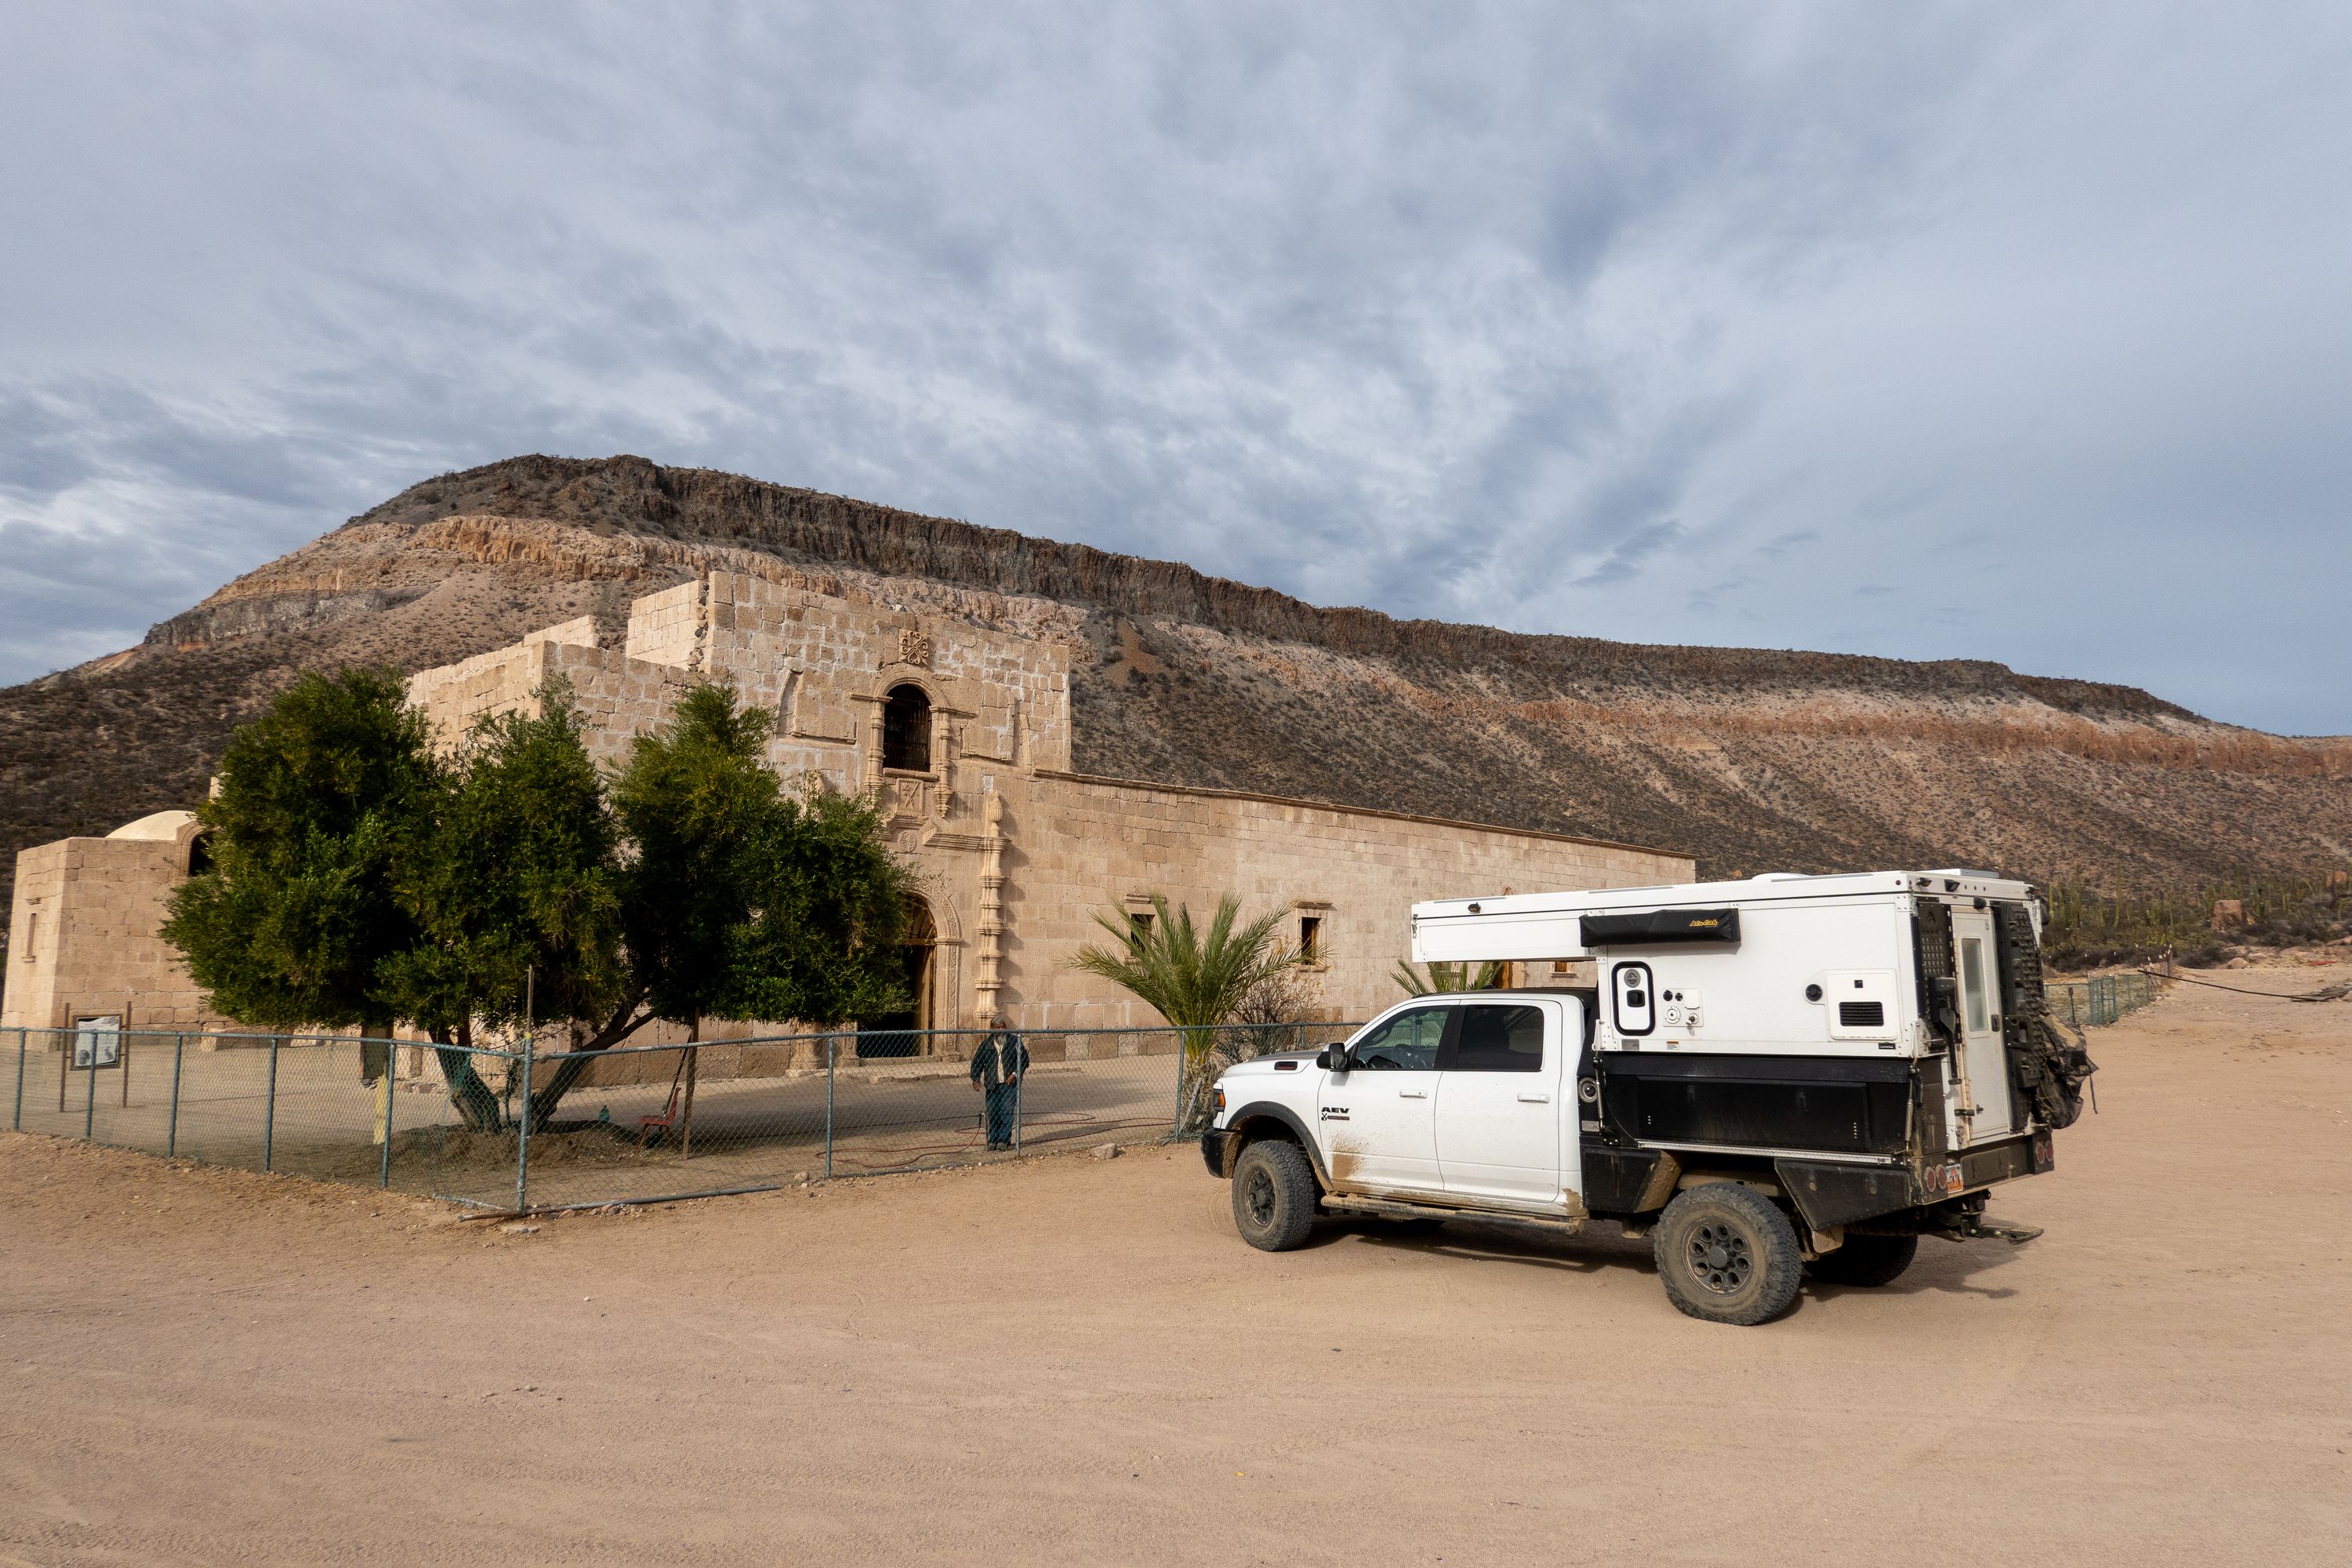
(1753, 760)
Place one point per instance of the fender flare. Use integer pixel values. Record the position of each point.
(1272, 1110)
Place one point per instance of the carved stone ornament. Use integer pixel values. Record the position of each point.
(915, 646)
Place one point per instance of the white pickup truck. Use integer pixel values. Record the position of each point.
(1773, 1077)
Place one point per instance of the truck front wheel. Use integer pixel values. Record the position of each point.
(1726, 1255)
(1274, 1195)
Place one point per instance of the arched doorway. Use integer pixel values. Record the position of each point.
(907, 728)
(897, 1034)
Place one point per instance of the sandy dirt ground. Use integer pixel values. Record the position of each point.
(1064, 1360)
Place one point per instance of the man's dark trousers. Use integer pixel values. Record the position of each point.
(1000, 1112)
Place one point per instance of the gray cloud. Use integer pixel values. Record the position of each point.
(1916, 331)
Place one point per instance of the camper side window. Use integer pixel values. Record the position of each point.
(1972, 983)
(1634, 999)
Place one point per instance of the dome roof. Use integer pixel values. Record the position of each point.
(163, 826)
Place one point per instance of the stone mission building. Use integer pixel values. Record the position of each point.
(965, 731)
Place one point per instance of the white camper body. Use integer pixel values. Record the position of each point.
(1803, 966)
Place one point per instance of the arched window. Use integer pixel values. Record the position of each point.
(907, 728)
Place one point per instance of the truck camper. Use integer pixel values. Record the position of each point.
(1770, 1078)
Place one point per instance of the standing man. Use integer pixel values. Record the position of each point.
(996, 1068)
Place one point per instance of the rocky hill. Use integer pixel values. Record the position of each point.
(1753, 760)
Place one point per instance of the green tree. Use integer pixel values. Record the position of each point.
(1445, 978)
(319, 800)
(1195, 979)
(357, 880)
(515, 894)
(735, 900)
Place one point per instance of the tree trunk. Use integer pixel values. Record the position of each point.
(545, 1098)
(686, 1115)
(376, 1048)
(475, 1105)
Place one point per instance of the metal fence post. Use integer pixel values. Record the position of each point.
(16, 1124)
(89, 1111)
(522, 1135)
(390, 1101)
(269, 1110)
(171, 1138)
(1176, 1118)
(1020, 1083)
(832, 1056)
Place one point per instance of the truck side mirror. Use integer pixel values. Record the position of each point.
(1332, 1059)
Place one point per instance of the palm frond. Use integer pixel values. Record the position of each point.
(1192, 977)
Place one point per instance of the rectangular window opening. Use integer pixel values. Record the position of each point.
(1310, 939)
(1972, 970)
(1500, 1040)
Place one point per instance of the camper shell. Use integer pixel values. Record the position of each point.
(1865, 1055)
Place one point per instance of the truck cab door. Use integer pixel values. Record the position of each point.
(1501, 1101)
(1984, 1062)
(1375, 1121)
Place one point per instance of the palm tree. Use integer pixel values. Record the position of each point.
(1444, 978)
(1195, 979)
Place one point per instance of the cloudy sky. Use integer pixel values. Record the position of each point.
(2013, 333)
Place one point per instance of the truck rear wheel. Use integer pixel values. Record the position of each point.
(1274, 1195)
(1726, 1255)
(1865, 1260)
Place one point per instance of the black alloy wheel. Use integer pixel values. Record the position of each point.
(1727, 1254)
(1274, 1195)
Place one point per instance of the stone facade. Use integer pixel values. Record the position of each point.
(83, 938)
(1015, 853)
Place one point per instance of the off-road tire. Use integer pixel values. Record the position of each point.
(1865, 1260)
(1726, 1255)
(1274, 1195)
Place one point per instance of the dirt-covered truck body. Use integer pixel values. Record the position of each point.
(1778, 1075)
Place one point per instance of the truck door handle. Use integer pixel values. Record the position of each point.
(1537, 1098)
(1413, 1094)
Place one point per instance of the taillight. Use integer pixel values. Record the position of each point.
(1220, 1092)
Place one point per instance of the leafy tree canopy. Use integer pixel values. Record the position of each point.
(320, 800)
(357, 879)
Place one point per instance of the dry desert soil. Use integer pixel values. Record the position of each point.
(1068, 1361)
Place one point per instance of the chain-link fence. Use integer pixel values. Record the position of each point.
(328, 1107)
(629, 1124)
(2101, 999)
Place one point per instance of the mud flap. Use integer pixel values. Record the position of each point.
(1828, 1194)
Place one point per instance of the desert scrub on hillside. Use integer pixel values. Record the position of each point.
(2089, 929)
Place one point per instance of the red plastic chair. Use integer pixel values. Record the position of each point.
(651, 1127)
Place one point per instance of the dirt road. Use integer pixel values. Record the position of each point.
(1067, 1361)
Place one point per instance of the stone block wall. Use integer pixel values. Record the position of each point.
(1080, 847)
(667, 627)
(85, 939)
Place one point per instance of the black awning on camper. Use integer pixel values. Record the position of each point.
(1653, 926)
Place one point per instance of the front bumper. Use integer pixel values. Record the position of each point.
(1213, 1151)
